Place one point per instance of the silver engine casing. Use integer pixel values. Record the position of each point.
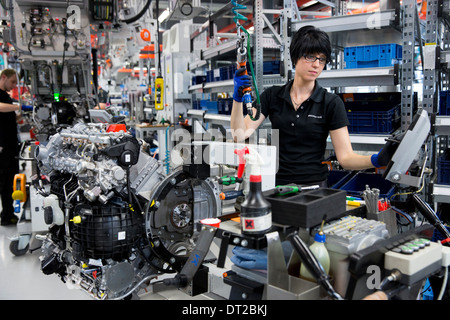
(101, 235)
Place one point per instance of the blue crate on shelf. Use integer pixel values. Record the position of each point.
(224, 106)
(224, 73)
(443, 168)
(196, 105)
(336, 178)
(210, 106)
(444, 103)
(198, 80)
(231, 71)
(209, 76)
(379, 55)
(271, 67)
(357, 184)
(373, 117)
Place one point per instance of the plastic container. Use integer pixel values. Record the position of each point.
(444, 103)
(336, 178)
(306, 209)
(198, 80)
(196, 104)
(379, 55)
(271, 67)
(213, 222)
(443, 168)
(320, 251)
(356, 185)
(210, 106)
(373, 118)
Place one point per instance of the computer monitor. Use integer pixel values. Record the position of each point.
(407, 151)
(100, 116)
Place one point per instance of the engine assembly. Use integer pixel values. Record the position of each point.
(115, 219)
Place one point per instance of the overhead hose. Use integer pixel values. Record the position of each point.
(236, 18)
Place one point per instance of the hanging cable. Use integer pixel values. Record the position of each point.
(241, 39)
(139, 15)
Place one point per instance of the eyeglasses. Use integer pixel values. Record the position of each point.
(311, 58)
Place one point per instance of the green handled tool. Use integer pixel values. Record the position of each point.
(227, 180)
(284, 190)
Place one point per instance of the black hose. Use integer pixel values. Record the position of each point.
(139, 15)
(313, 266)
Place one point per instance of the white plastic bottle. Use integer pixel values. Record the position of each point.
(321, 253)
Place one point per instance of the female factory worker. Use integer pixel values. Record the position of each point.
(304, 113)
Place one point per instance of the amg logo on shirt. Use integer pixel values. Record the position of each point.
(314, 116)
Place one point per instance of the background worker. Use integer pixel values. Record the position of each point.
(9, 145)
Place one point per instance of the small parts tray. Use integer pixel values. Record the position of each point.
(306, 209)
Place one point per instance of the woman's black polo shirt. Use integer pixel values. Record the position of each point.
(302, 133)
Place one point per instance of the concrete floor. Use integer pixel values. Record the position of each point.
(22, 279)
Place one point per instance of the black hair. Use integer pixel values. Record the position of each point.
(309, 39)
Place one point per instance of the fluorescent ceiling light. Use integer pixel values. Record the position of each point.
(164, 15)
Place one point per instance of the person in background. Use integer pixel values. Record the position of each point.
(304, 114)
(9, 145)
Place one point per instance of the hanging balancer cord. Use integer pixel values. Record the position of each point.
(236, 18)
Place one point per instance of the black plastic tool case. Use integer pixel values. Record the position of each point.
(306, 209)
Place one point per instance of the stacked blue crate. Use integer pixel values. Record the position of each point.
(209, 75)
(444, 103)
(196, 104)
(224, 106)
(372, 113)
(271, 67)
(379, 55)
(198, 80)
(443, 168)
(383, 119)
(210, 106)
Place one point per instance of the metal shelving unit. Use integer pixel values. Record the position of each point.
(436, 64)
(383, 76)
(350, 30)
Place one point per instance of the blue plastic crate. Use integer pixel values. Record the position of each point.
(224, 106)
(369, 64)
(210, 106)
(444, 103)
(271, 67)
(373, 117)
(379, 55)
(209, 76)
(198, 80)
(336, 178)
(357, 184)
(231, 71)
(427, 294)
(196, 105)
(224, 73)
(443, 168)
